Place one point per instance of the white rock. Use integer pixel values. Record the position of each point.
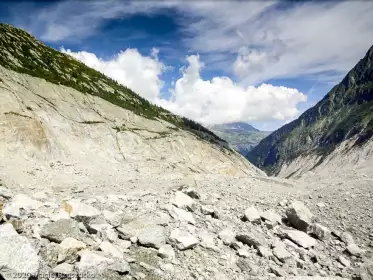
(353, 249)
(300, 238)
(168, 267)
(207, 241)
(64, 269)
(252, 215)
(181, 215)
(299, 215)
(183, 240)
(153, 236)
(5, 192)
(243, 253)
(206, 210)
(344, 261)
(281, 253)
(93, 263)
(227, 236)
(252, 238)
(321, 232)
(82, 212)
(17, 256)
(68, 250)
(166, 252)
(113, 218)
(25, 202)
(40, 195)
(184, 201)
(59, 215)
(112, 250)
(264, 252)
(271, 216)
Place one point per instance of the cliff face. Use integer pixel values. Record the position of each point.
(86, 127)
(345, 113)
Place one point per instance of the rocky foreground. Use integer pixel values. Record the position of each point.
(189, 231)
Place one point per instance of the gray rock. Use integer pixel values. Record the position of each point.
(49, 254)
(82, 212)
(59, 230)
(192, 192)
(183, 240)
(227, 236)
(354, 250)
(17, 256)
(184, 201)
(300, 238)
(206, 210)
(252, 238)
(64, 269)
(5, 193)
(344, 261)
(319, 231)
(93, 264)
(281, 253)
(153, 236)
(252, 215)
(181, 215)
(207, 241)
(111, 250)
(365, 270)
(69, 249)
(271, 217)
(166, 252)
(347, 238)
(264, 252)
(299, 215)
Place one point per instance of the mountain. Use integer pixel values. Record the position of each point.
(241, 136)
(57, 112)
(344, 114)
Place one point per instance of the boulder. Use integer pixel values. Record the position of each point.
(354, 250)
(69, 248)
(22, 201)
(166, 252)
(207, 210)
(281, 253)
(300, 238)
(64, 269)
(365, 270)
(111, 249)
(181, 215)
(153, 236)
(184, 201)
(272, 217)
(104, 231)
(227, 236)
(252, 215)
(207, 241)
(80, 211)
(299, 216)
(344, 261)
(93, 264)
(264, 252)
(319, 231)
(183, 240)
(17, 256)
(252, 238)
(59, 230)
(347, 238)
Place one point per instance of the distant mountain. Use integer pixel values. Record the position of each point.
(241, 136)
(345, 113)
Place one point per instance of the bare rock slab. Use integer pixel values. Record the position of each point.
(153, 236)
(183, 240)
(300, 238)
(59, 230)
(18, 259)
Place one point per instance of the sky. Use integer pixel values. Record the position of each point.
(261, 62)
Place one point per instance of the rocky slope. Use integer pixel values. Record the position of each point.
(49, 129)
(241, 136)
(345, 113)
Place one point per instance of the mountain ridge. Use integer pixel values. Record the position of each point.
(344, 112)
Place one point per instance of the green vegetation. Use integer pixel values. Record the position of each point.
(345, 112)
(21, 52)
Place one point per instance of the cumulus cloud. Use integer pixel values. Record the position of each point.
(130, 68)
(220, 100)
(212, 101)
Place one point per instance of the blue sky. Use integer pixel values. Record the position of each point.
(213, 61)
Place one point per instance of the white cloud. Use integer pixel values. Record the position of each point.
(130, 68)
(221, 100)
(212, 101)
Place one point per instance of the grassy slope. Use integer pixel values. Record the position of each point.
(21, 52)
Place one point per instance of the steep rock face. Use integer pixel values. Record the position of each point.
(345, 113)
(55, 134)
